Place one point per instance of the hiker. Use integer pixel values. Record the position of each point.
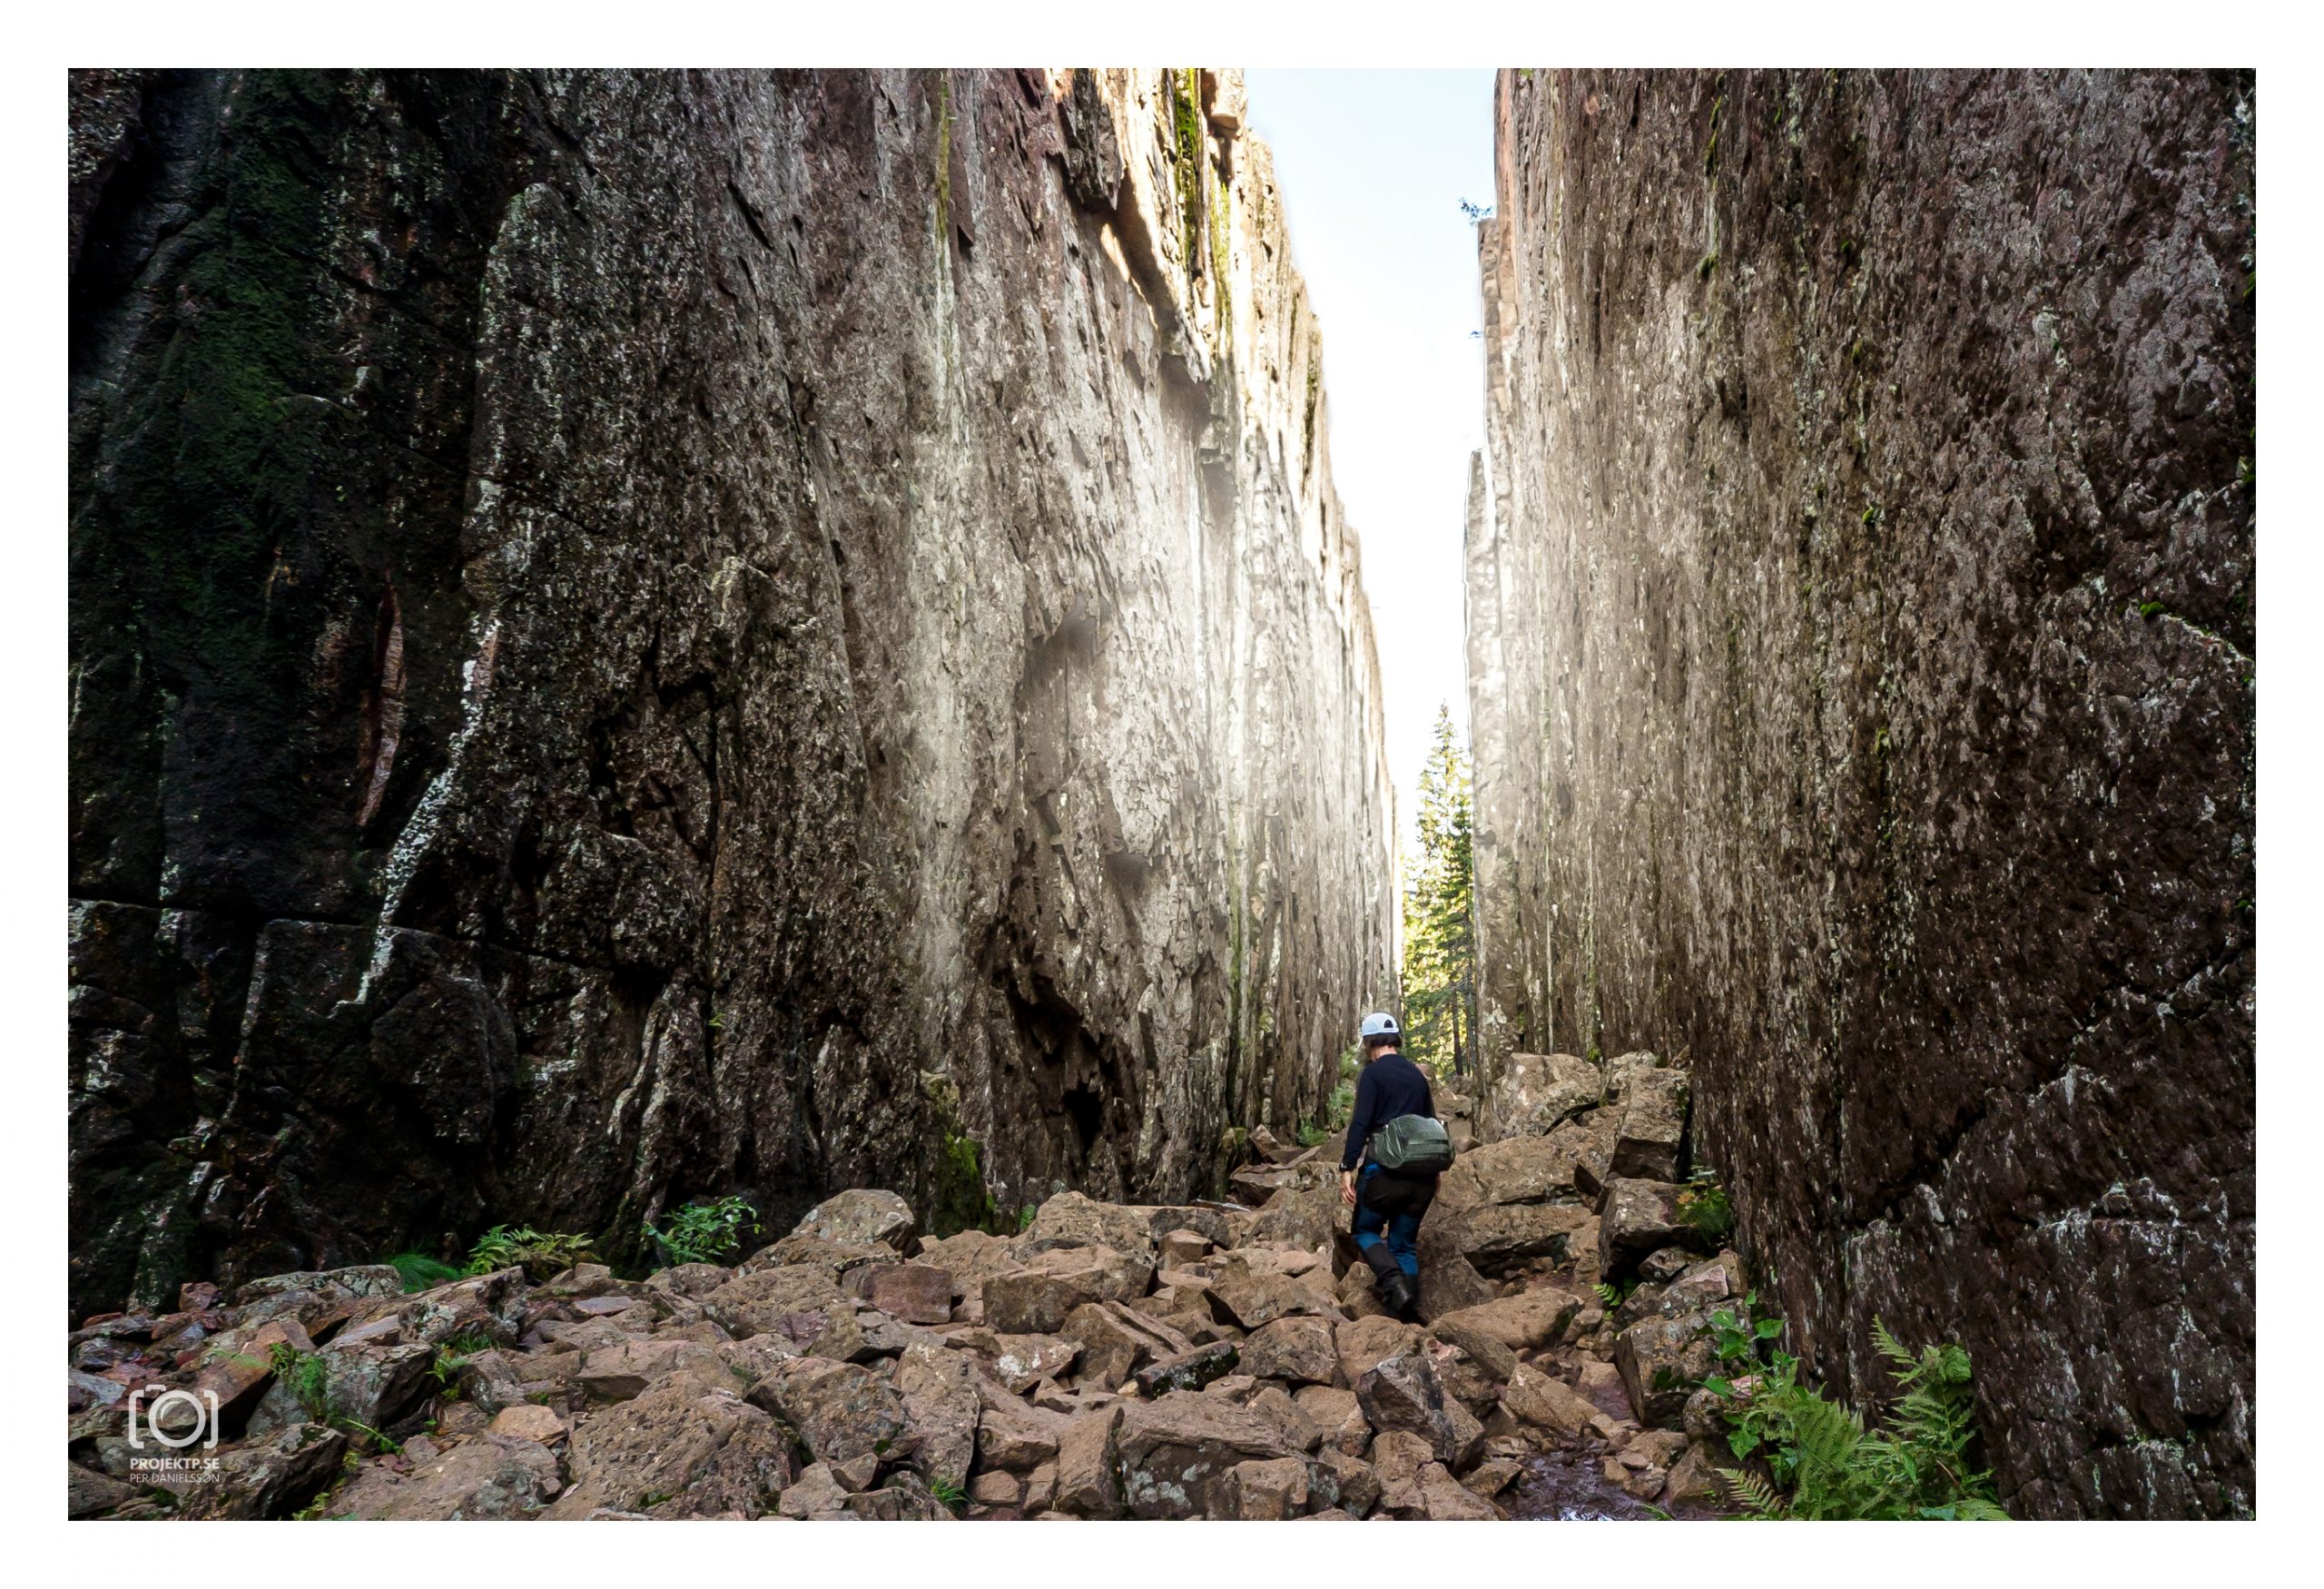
(1399, 1164)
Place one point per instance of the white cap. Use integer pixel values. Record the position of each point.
(1379, 1023)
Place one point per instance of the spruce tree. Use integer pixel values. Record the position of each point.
(1440, 940)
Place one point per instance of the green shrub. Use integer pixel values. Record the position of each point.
(706, 1232)
(305, 1375)
(1819, 1459)
(422, 1273)
(1703, 1204)
(538, 1253)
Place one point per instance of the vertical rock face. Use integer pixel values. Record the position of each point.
(635, 636)
(1861, 666)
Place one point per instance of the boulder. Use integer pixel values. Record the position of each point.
(862, 1218)
(1586, 1143)
(836, 1258)
(879, 1335)
(1488, 1478)
(1248, 1296)
(1216, 1224)
(687, 1447)
(693, 1281)
(1546, 1402)
(1623, 1072)
(1363, 1343)
(615, 1374)
(1406, 1392)
(1036, 1299)
(1110, 1350)
(1014, 1437)
(1706, 1286)
(1662, 1361)
(1255, 1185)
(371, 1386)
(1397, 1457)
(1531, 1094)
(1601, 1383)
(1175, 1454)
(1444, 1499)
(1636, 1217)
(270, 1476)
(1300, 1216)
(365, 1281)
(1023, 1361)
(1300, 1432)
(90, 1493)
(1338, 1417)
(490, 1306)
(938, 1388)
(1343, 1482)
(759, 1301)
(1517, 1170)
(1298, 1348)
(816, 1496)
(1191, 1370)
(970, 1258)
(1270, 1490)
(1493, 1356)
(914, 1292)
(1664, 1265)
(1071, 1219)
(1650, 1144)
(528, 1420)
(905, 1497)
(1704, 1417)
(1467, 1380)
(840, 1411)
(1696, 1477)
(1497, 1237)
(1525, 1321)
(496, 1477)
(1176, 1249)
(1087, 1463)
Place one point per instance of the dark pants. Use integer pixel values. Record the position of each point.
(1399, 1227)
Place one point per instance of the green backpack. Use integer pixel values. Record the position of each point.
(1411, 1144)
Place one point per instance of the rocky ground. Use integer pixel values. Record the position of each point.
(1218, 1359)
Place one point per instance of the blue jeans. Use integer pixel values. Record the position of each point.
(1370, 1226)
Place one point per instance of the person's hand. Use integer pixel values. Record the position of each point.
(1347, 1186)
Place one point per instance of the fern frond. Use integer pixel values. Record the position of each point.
(1892, 1348)
(1752, 1494)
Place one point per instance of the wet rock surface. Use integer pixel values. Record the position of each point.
(543, 1406)
(651, 634)
(1861, 634)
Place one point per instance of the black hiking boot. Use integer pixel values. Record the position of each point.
(1401, 1296)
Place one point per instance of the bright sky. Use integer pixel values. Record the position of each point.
(1373, 167)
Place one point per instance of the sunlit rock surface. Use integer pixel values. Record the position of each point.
(635, 636)
(1861, 637)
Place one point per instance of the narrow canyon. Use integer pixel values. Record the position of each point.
(638, 638)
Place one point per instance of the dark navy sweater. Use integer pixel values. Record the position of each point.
(1390, 1086)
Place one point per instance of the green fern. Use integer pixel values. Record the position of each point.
(421, 1272)
(539, 1253)
(305, 1375)
(706, 1232)
(1820, 1459)
(1752, 1495)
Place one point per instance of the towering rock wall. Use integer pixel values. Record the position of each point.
(1861, 630)
(639, 635)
